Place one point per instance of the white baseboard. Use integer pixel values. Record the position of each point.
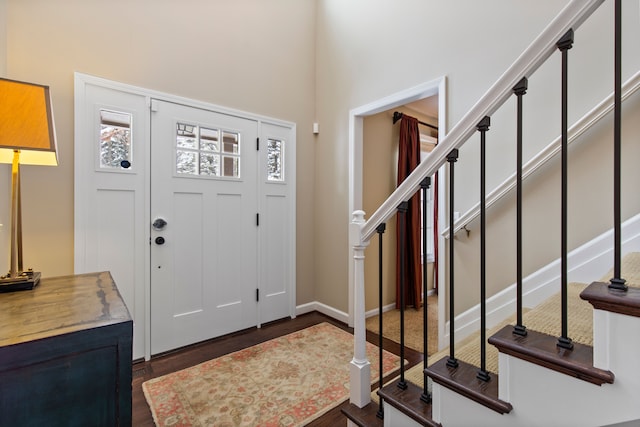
(375, 311)
(587, 263)
(324, 309)
(392, 306)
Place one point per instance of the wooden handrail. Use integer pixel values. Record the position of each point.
(572, 16)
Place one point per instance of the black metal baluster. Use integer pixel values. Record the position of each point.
(424, 185)
(617, 282)
(452, 362)
(402, 211)
(520, 89)
(380, 229)
(565, 43)
(483, 375)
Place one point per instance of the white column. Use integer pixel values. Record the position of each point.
(360, 385)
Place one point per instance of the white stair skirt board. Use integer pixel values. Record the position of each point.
(587, 264)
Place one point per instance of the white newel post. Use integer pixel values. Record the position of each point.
(360, 385)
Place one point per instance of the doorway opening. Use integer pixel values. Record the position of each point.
(427, 99)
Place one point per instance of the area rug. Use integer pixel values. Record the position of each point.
(287, 381)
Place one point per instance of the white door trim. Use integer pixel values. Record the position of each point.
(81, 80)
(356, 116)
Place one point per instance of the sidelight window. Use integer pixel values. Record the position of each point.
(275, 160)
(115, 140)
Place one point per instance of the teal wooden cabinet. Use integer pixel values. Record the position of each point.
(65, 354)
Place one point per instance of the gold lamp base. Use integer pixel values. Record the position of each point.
(23, 282)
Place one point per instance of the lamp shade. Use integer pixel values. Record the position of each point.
(26, 123)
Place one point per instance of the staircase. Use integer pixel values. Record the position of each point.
(611, 400)
(585, 378)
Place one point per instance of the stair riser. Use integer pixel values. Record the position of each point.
(542, 397)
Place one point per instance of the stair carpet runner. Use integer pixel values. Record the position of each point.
(543, 318)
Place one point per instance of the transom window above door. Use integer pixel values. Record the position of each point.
(206, 151)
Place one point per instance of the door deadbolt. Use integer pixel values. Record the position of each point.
(159, 240)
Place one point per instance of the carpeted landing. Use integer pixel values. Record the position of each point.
(414, 322)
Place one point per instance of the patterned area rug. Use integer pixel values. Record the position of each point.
(287, 381)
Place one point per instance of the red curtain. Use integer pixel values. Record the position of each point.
(408, 159)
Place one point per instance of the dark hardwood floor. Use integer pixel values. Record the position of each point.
(198, 353)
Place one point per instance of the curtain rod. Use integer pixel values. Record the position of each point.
(398, 115)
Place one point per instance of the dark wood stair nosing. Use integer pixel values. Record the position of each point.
(363, 417)
(541, 349)
(408, 402)
(463, 381)
(601, 297)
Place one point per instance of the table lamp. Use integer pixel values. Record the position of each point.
(27, 136)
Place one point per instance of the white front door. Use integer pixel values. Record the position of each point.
(223, 183)
(204, 260)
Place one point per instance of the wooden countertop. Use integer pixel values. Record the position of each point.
(60, 305)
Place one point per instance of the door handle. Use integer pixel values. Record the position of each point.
(159, 240)
(159, 224)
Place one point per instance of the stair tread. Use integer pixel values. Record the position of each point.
(603, 298)
(463, 380)
(541, 349)
(363, 417)
(408, 402)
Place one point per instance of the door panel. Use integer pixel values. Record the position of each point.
(203, 176)
(186, 245)
(277, 221)
(110, 207)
